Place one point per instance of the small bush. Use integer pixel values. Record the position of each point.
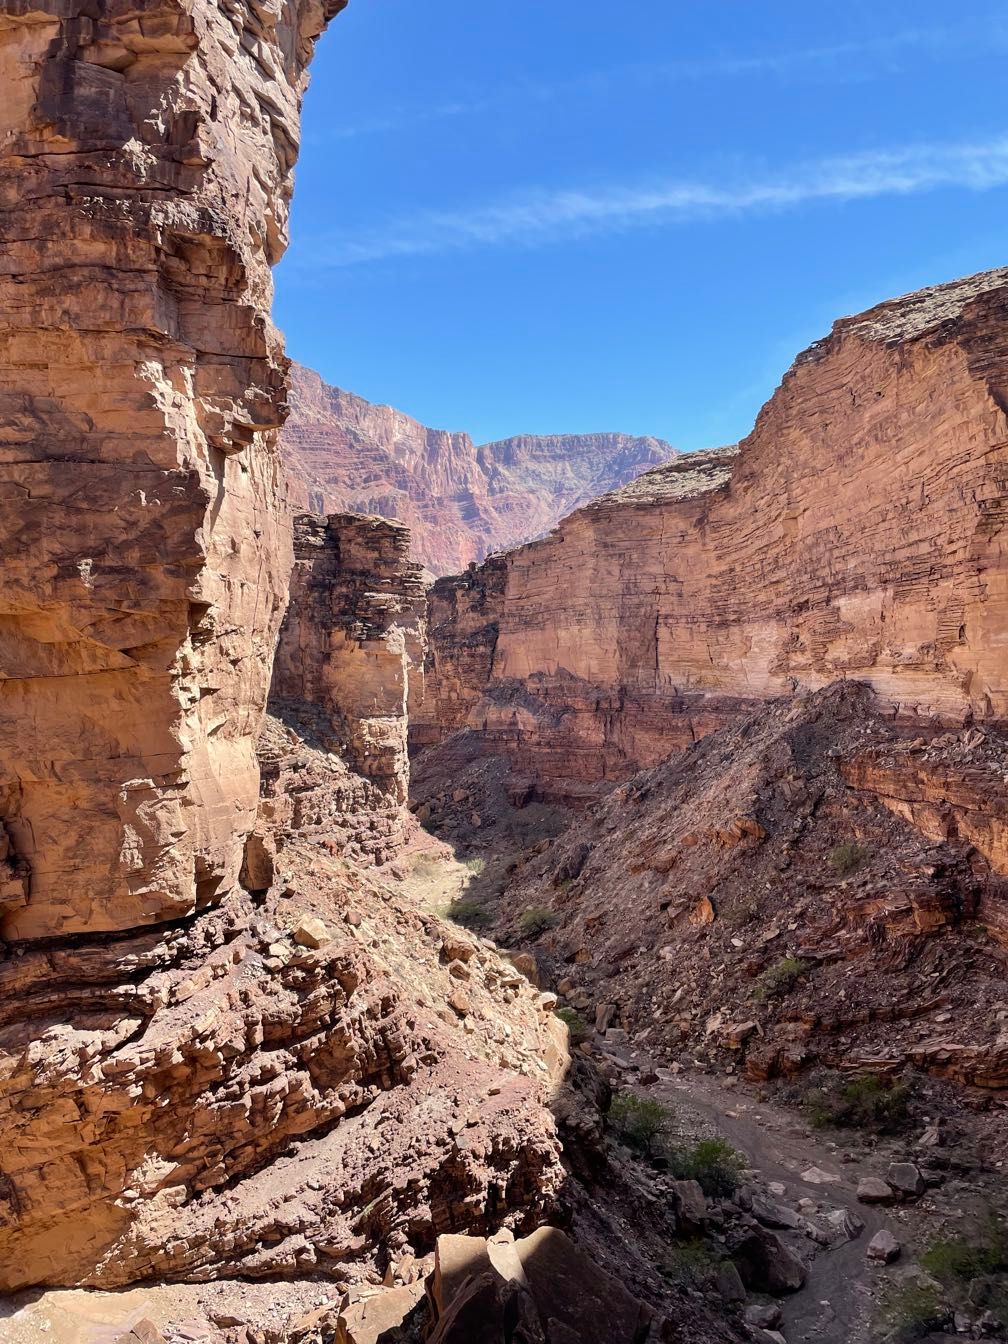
(577, 1027)
(470, 914)
(848, 857)
(913, 1309)
(475, 866)
(713, 1163)
(954, 1261)
(744, 911)
(535, 921)
(690, 1264)
(641, 1122)
(780, 978)
(868, 1103)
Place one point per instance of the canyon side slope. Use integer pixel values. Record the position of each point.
(461, 501)
(858, 532)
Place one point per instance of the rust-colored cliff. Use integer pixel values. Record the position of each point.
(460, 501)
(858, 533)
(141, 386)
(221, 1051)
(353, 641)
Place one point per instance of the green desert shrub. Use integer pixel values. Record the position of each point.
(955, 1261)
(641, 1122)
(577, 1027)
(847, 858)
(470, 914)
(713, 1163)
(690, 1264)
(868, 1102)
(780, 978)
(535, 921)
(911, 1310)
(475, 866)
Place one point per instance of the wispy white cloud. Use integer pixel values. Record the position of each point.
(840, 61)
(540, 217)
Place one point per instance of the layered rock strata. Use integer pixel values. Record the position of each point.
(461, 501)
(148, 154)
(351, 651)
(857, 533)
(763, 900)
(311, 1080)
(218, 1052)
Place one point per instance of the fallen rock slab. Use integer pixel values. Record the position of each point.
(873, 1190)
(883, 1246)
(906, 1178)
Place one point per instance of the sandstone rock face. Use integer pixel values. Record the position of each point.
(460, 501)
(290, 1084)
(352, 642)
(147, 157)
(857, 533)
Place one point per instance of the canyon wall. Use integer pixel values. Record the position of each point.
(223, 1052)
(859, 532)
(352, 643)
(147, 155)
(460, 501)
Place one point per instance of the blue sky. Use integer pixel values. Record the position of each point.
(548, 216)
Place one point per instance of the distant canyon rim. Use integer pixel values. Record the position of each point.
(354, 930)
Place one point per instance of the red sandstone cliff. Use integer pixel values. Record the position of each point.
(460, 501)
(212, 1061)
(859, 532)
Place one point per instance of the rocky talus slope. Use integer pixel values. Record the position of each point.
(461, 501)
(764, 901)
(146, 546)
(312, 1076)
(857, 532)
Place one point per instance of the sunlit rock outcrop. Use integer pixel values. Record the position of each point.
(147, 170)
(858, 532)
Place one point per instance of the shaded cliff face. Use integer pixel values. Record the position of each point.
(150, 148)
(352, 643)
(857, 533)
(460, 501)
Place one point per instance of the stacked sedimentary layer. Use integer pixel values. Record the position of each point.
(460, 501)
(218, 1052)
(312, 1080)
(858, 532)
(793, 890)
(351, 651)
(147, 167)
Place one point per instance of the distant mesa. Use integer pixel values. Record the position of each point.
(461, 501)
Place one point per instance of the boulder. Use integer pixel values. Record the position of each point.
(691, 1205)
(378, 1317)
(765, 1316)
(729, 1283)
(525, 964)
(456, 948)
(906, 1178)
(538, 1289)
(873, 1190)
(258, 863)
(774, 1215)
(883, 1246)
(311, 932)
(766, 1265)
(844, 1224)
